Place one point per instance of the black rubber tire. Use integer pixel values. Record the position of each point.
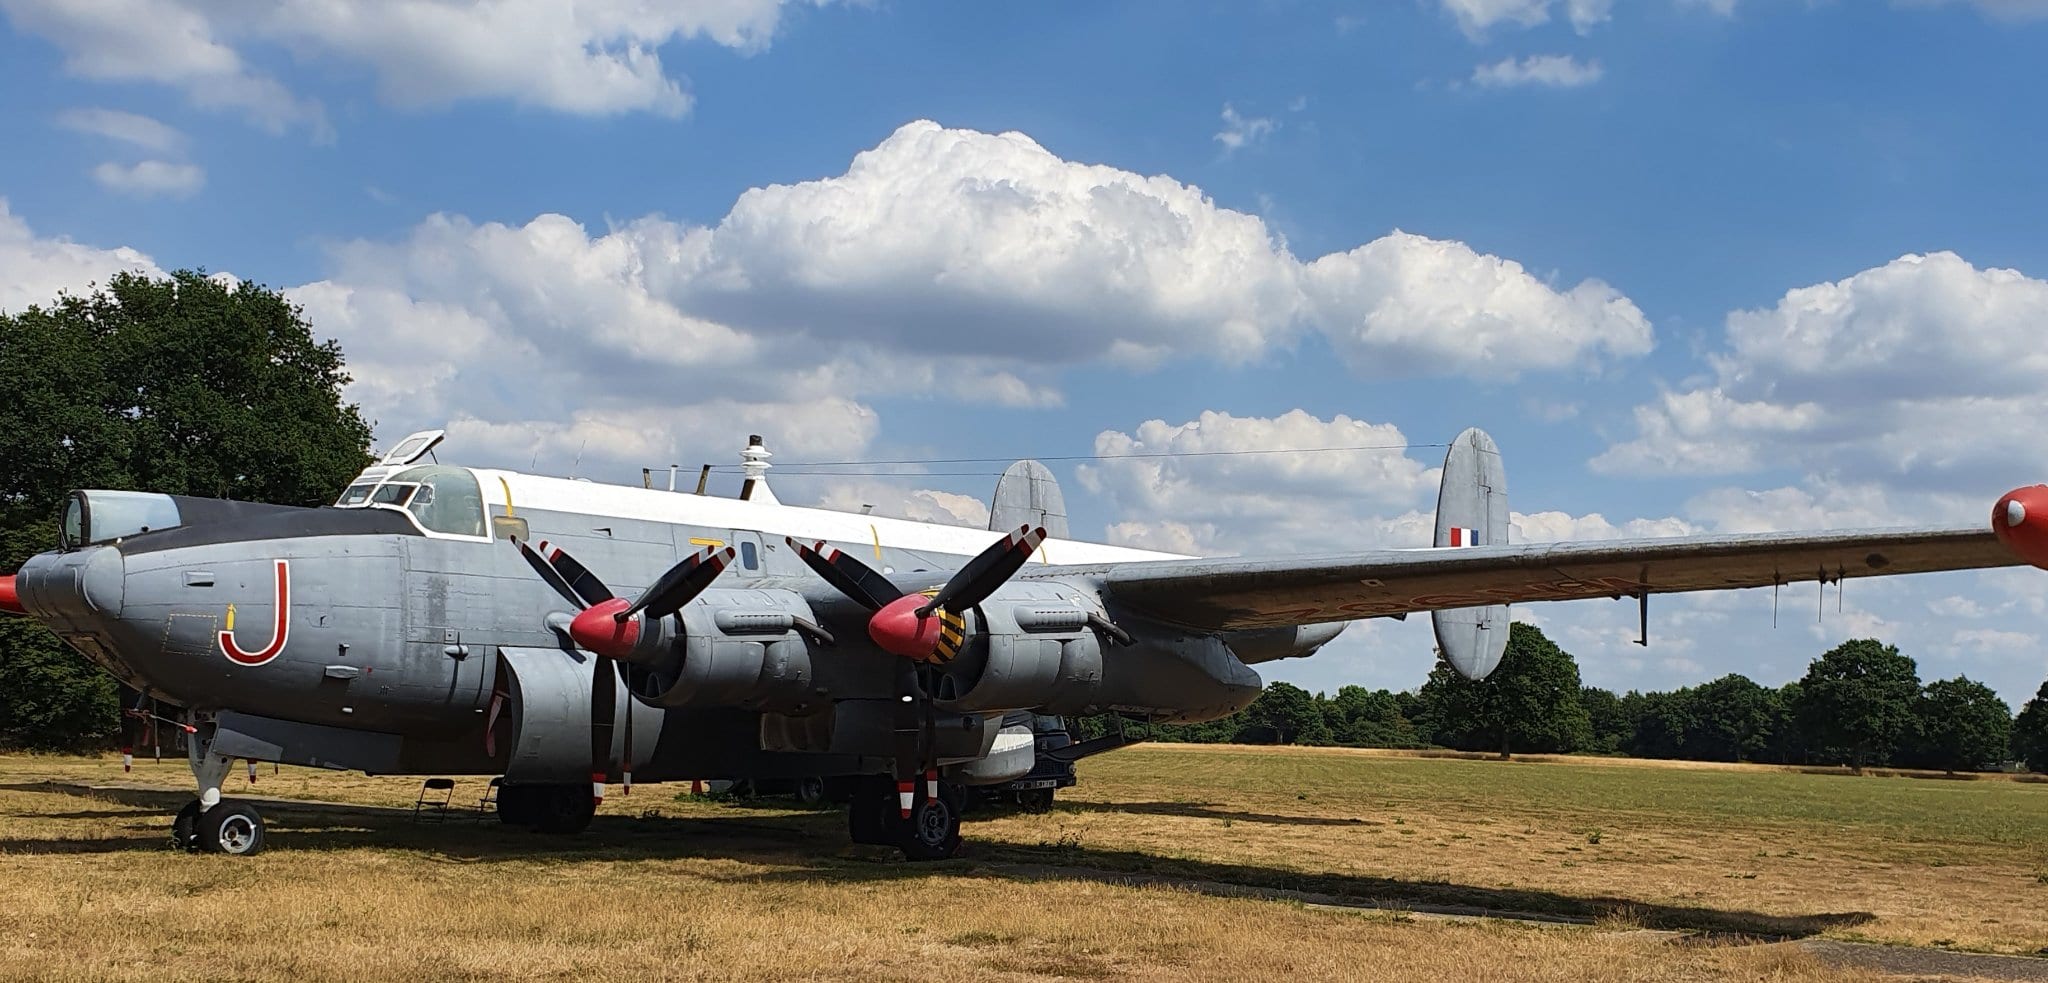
(516, 804)
(871, 810)
(185, 829)
(233, 828)
(810, 790)
(561, 810)
(1035, 800)
(933, 830)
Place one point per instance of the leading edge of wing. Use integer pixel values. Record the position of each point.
(1253, 592)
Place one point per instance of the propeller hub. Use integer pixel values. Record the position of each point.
(899, 631)
(598, 629)
(2020, 519)
(10, 597)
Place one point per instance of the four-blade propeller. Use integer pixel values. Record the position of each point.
(916, 627)
(605, 627)
(924, 631)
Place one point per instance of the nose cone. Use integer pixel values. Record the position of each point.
(79, 588)
(2020, 520)
(597, 629)
(899, 631)
(10, 599)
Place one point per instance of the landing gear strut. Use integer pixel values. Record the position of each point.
(875, 817)
(211, 824)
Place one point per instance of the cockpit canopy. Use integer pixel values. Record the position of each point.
(442, 499)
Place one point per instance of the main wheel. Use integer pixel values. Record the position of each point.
(516, 804)
(233, 828)
(871, 809)
(185, 829)
(810, 790)
(563, 809)
(933, 830)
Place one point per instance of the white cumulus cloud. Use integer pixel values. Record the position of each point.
(39, 268)
(1546, 71)
(151, 178)
(595, 57)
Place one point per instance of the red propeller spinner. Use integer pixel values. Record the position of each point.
(2020, 520)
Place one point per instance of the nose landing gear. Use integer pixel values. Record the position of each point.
(211, 824)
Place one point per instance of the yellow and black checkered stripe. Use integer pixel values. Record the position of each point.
(952, 635)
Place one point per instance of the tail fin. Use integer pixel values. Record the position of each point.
(1472, 510)
(1028, 495)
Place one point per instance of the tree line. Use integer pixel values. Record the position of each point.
(1860, 704)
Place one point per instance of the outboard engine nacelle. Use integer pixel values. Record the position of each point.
(1032, 646)
(737, 648)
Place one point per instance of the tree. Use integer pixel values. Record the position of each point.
(1367, 718)
(183, 384)
(2030, 732)
(1284, 714)
(1856, 701)
(1608, 718)
(1663, 721)
(1732, 720)
(1960, 724)
(1529, 703)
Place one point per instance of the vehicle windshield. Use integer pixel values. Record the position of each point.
(393, 493)
(357, 494)
(444, 499)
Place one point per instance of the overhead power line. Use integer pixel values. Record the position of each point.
(780, 465)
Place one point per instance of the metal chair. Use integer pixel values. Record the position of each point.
(438, 810)
(489, 803)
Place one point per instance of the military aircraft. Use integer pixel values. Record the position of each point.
(568, 635)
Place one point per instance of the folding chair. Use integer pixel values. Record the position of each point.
(489, 803)
(438, 810)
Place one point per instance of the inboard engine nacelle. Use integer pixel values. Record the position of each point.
(1033, 646)
(730, 647)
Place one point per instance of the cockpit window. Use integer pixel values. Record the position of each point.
(357, 494)
(446, 500)
(393, 493)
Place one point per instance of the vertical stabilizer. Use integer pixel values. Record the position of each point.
(1472, 510)
(1028, 495)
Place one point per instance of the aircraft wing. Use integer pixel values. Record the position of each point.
(1250, 592)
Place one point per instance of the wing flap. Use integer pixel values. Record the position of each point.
(1239, 593)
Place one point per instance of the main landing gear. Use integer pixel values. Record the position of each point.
(547, 808)
(932, 832)
(211, 824)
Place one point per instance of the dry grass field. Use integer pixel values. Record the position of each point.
(1131, 877)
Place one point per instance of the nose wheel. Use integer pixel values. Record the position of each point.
(211, 824)
(230, 827)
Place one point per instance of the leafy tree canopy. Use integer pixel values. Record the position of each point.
(1856, 701)
(182, 384)
(2030, 732)
(1529, 703)
(1960, 723)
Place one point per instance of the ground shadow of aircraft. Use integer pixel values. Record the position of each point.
(787, 843)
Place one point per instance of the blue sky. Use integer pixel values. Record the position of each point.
(1698, 265)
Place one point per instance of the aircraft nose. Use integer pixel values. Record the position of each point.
(78, 587)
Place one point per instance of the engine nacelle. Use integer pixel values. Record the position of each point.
(736, 648)
(1031, 646)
